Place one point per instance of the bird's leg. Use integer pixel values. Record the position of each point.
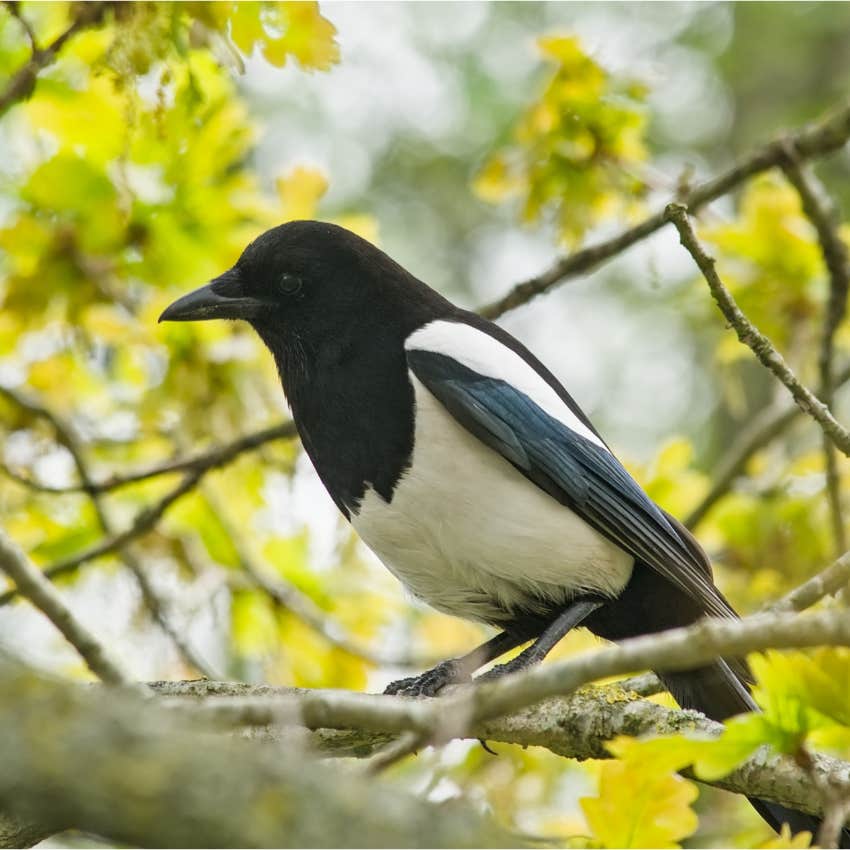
(457, 670)
(577, 611)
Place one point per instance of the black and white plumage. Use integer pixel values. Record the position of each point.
(465, 465)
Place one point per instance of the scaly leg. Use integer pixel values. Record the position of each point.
(577, 611)
(457, 670)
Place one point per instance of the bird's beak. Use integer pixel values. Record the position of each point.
(222, 298)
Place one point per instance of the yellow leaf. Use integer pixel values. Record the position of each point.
(361, 224)
(307, 36)
(577, 149)
(786, 841)
(281, 30)
(300, 192)
(253, 623)
(640, 806)
(494, 182)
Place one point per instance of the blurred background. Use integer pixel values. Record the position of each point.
(161, 140)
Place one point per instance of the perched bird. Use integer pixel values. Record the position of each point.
(462, 462)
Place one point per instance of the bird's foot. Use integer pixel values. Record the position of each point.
(512, 666)
(429, 683)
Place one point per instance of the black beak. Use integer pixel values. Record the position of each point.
(222, 298)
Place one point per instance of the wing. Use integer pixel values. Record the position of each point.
(516, 417)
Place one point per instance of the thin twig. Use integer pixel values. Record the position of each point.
(156, 607)
(677, 649)
(213, 458)
(15, 9)
(290, 598)
(144, 522)
(67, 436)
(829, 581)
(644, 685)
(826, 136)
(405, 745)
(32, 584)
(761, 430)
(23, 81)
(835, 815)
(750, 336)
(821, 212)
(834, 793)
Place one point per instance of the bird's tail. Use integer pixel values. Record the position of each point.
(719, 693)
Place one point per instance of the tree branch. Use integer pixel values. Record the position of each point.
(750, 336)
(67, 437)
(577, 726)
(213, 458)
(677, 649)
(32, 584)
(820, 211)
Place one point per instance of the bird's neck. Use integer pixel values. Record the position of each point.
(353, 405)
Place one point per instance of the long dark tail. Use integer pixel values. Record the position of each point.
(719, 693)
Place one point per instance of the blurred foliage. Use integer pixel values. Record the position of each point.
(577, 148)
(132, 174)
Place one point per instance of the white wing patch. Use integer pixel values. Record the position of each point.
(486, 355)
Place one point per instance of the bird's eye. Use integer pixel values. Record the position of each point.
(289, 284)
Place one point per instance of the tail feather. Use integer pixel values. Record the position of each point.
(718, 693)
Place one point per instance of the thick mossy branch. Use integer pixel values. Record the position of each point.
(576, 726)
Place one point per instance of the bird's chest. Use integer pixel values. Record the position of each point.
(469, 534)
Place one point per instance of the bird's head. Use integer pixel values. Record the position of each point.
(284, 276)
(313, 285)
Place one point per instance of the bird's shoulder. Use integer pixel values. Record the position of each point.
(470, 344)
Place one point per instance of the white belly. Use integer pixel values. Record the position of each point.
(470, 535)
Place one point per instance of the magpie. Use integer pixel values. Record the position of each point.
(465, 465)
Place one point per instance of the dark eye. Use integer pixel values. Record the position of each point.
(289, 284)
